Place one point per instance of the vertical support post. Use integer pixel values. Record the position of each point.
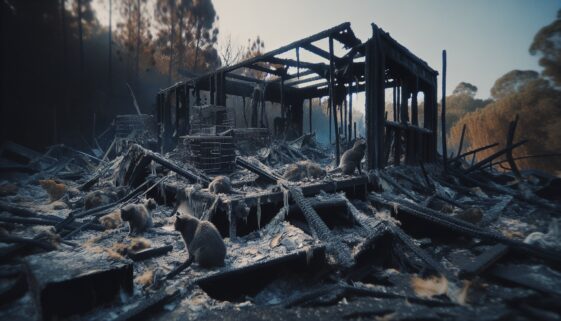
(414, 105)
(283, 111)
(443, 115)
(310, 114)
(220, 89)
(211, 89)
(350, 118)
(329, 116)
(177, 104)
(297, 115)
(332, 100)
(398, 102)
(344, 122)
(431, 118)
(159, 114)
(255, 96)
(394, 104)
(340, 119)
(187, 110)
(404, 104)
(374, 76)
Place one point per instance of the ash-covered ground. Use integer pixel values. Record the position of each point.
(304, 241)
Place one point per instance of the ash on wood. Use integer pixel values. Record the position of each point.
(65, 284)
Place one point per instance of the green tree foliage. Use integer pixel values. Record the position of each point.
(537, 104)
(134, 38)
(535, 99)
(55, 67)
(547, 44)
(511, 82)
(187, 37)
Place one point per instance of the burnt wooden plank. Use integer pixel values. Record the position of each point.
(65, 284)
(484, 261)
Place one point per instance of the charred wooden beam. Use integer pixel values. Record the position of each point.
(265, 69)
(247, 164)
(484, 261)
(463, 227)
(320, 52)
(493, 156)
(319, 68)
(474, 151)
(149, 253)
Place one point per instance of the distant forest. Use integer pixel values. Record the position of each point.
(535, 98)
(62, 70)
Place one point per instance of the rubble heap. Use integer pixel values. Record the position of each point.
(406, 242)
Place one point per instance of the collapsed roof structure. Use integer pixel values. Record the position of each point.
(372, 67)
(414, 236)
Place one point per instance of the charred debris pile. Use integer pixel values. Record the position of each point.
(380, 227)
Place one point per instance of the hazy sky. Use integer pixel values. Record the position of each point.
(484, 39)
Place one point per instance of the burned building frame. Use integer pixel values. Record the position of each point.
(374, 67)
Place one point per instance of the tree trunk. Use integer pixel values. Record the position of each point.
(137, 64)
(109, 58)
(172, 34)
(197, 47)
(81, 36)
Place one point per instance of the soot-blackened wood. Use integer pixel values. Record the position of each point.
(474, 151)
(457, 225)
(461, 141)
(493, 156)
(245, 163)
(537, 277)
(150, 253)
(64, 284)
(374, 75)
(484, 261)
(350, 117)
(509, 140)
(332, 101)
(310, 115)
(150, 304)
(443, 111)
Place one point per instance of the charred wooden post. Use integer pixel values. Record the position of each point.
(414, 104)
(374, 75)
(310, 115)
(509, 140)
(332, 100)
(177, 110)
(350, 118)
(443, 112)
(297, 116)
(186, 110)
(461, 140)
(220, 89)
(404, 104)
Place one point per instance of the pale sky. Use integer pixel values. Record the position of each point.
(484, 39)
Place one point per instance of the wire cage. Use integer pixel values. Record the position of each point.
(212, 154)
(135, 129)
(211, 119)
